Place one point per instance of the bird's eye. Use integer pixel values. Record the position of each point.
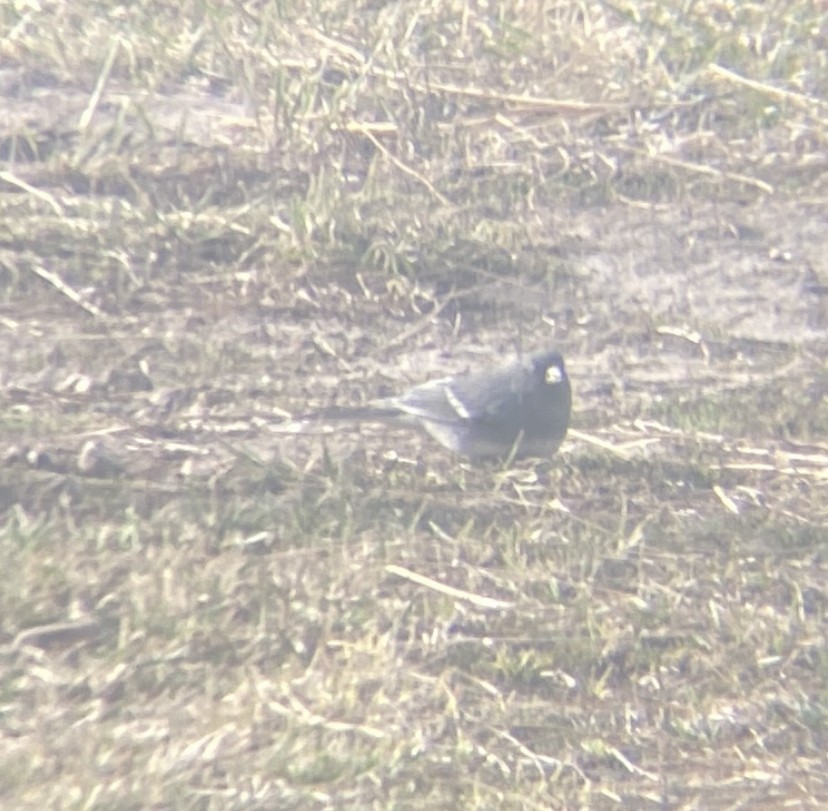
(553, 374)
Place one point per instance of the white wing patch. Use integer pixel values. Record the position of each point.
(457, 404)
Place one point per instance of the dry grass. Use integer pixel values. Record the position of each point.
(217, 214)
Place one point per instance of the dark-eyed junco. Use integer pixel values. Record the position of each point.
(521, 409)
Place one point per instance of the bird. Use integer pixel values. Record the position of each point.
(517, 410)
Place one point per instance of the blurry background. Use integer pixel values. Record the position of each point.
(216, 215)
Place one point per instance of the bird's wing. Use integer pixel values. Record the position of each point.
(435, 401)
(490, 396)
(478, 397)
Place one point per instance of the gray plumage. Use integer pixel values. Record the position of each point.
(522, 408)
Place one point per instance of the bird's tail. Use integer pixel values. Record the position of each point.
(372, 412)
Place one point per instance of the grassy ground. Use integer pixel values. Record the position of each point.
(216, 215)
